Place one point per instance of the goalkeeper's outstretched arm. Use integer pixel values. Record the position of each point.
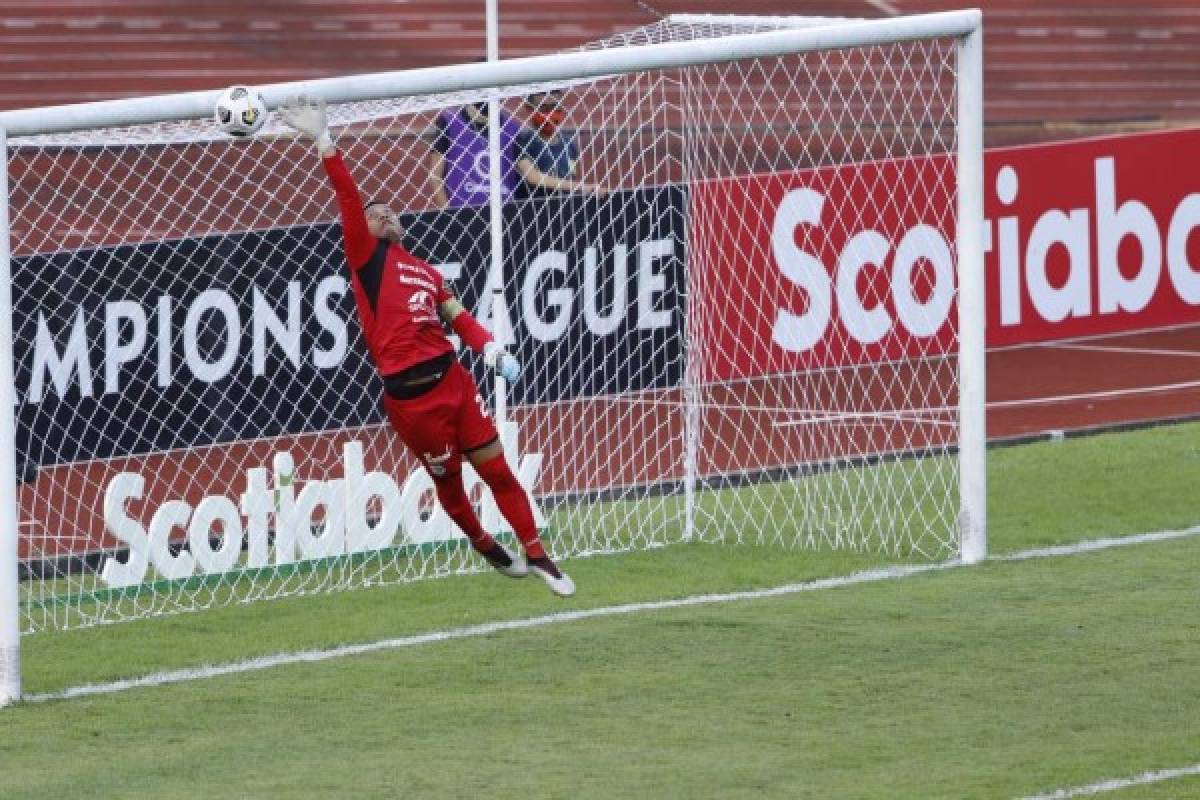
(308, 116)
(478, 339)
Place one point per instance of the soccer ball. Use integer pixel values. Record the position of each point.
(241, 111)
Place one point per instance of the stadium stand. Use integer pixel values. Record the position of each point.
(1054, 69)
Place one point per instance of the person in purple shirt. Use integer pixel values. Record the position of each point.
(458, 165)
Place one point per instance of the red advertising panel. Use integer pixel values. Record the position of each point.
(854, 264)
(842, 265)
(1093, 237)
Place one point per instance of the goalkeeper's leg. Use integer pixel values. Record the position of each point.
(513, 502)
(510, 497)
(480, 443)
(427, 425)
(453, 497)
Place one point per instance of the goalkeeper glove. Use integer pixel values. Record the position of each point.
(307, 115)
(502, 361)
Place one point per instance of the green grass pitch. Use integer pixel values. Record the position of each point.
(1002, 680)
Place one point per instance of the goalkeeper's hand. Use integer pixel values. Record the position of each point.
(502, 361)
(307, 115)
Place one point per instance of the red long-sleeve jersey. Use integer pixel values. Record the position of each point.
(397, 294)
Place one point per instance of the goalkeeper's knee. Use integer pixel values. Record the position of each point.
(499, 477)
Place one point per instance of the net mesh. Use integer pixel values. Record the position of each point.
(739, 326)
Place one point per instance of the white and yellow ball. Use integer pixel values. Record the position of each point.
(240, 111)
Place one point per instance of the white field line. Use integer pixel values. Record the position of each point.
(487, 629)
(1115, 785)
(1091, 545)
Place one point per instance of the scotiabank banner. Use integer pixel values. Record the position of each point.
(845, 265)
(856, 264)
(1092, 237)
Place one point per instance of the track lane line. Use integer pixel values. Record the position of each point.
(1100, 348)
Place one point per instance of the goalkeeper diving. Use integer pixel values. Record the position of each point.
(431, 401)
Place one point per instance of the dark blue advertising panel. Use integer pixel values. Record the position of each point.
(594, 287)
(175, 344)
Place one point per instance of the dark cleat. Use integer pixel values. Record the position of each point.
(505, 562)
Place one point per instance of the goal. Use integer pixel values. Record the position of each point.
(757, 320)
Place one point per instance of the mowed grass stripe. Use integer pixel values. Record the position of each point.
(999, 680)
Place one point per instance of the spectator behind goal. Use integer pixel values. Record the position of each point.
(458, 166)
(547, 157)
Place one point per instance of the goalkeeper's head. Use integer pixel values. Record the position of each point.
(383, 222)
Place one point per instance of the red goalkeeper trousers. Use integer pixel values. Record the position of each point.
(443, 423)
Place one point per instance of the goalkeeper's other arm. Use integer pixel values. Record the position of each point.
(475, 337)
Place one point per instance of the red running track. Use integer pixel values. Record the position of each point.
(1098, 381)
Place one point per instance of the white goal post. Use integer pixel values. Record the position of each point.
(849, 411)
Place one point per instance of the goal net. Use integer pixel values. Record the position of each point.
(740, 327)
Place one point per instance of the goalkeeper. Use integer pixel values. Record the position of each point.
(431, 401)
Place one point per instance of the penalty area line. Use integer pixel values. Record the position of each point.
(1156, 776)
(490, 628)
